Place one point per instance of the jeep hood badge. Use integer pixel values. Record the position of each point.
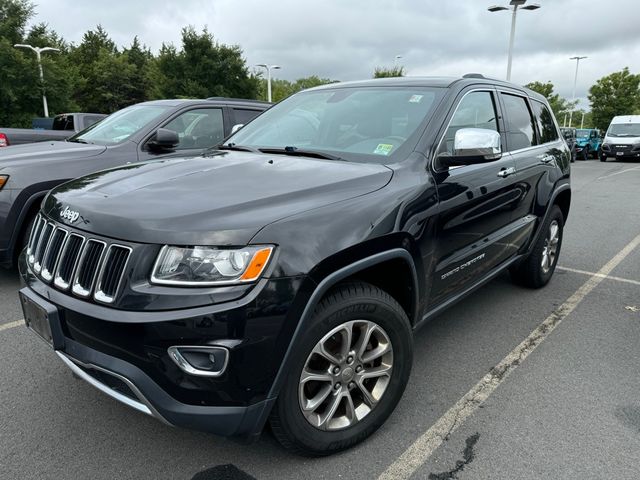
(69, 214)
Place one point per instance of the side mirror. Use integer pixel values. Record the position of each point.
(236, 127)
(472, 146)
(164, 139)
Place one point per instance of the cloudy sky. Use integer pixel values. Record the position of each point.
(347, 39)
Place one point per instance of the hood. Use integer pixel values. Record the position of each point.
(218, 200)
(621, 140)
(50, 151)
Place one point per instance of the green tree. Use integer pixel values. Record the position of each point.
(559, 105)
(281, 89)
(385, 72)
(204, 68)
(615, 94)
(14, 15)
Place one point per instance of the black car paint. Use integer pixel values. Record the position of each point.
(340, 221)
(35, 168)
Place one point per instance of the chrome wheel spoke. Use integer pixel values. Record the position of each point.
(311, 376)
(381, 371)
(331, 411)
(350, 411)
(375, 353)
(365, 336)
(321, 350)
(347, 335)
(369, 399)
(312, 404)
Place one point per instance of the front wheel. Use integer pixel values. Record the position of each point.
(348, 374)
(585, 153)
(603, 158)
(537, 269)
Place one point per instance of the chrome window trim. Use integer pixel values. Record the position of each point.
(58, 282)
(99, 294)
(77, 288)
(45, 274)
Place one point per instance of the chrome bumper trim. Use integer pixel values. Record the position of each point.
(143, 405)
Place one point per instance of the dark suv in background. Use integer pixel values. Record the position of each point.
(280, 277)
(145, 131)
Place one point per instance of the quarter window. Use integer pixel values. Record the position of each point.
(546, 125)
(520, 126)
(475, 110)
(199, 128)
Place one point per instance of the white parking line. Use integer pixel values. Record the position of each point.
(608, 277)
(618, 173)
(423, 447)
(7, 326)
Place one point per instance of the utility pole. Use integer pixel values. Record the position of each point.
(38, 51)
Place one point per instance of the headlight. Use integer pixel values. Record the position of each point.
(206, 266)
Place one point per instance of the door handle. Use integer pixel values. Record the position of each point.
(505, 172)
(546, 158)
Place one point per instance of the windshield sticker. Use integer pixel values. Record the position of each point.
(415, 98)
(383, 149)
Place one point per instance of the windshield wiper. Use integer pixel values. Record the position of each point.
(301, 153)
(239, 148)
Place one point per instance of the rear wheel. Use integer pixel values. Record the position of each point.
(349, 372)
(537, 269)
(585, 153)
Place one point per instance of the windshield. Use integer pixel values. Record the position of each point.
(356, 123)
(583, 133)
(624, 130)
(119, 126)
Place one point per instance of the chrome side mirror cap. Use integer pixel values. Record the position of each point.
(236, 127)
(472, 146)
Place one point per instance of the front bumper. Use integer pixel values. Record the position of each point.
(621, 151)
(128, 360)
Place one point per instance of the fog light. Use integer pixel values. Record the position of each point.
(200, 361)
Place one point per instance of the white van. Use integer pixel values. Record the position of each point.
(622, 139)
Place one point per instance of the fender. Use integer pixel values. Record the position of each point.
(17, 227)
(306, 317)
(552, 200)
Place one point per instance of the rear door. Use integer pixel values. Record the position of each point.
(476, 203)
(537, 149)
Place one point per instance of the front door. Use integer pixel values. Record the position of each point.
(474, 227)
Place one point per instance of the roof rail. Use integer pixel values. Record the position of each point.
(473, 75)
(238, 99)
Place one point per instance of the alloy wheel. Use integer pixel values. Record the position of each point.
(550, 248)
(345, 375)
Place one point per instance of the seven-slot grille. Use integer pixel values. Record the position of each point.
(86, 265)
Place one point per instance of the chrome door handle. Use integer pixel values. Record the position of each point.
(546, 158)
(505, 172)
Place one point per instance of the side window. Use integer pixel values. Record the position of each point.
(475, 110)
(244, 116)
(520, 129)
(546, 125)
(199, 128)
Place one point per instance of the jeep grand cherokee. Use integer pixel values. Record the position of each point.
(279, 277)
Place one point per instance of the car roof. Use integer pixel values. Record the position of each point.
(438, 82)
(625, 119)
(215, 100)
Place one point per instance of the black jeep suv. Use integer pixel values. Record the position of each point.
(279, 278)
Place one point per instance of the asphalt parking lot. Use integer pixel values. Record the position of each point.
(570, 409)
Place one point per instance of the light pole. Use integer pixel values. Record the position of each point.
(514, 4)
(38, 51)
(268, 68)
(575, 81)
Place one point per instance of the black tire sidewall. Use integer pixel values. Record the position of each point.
(312, 441)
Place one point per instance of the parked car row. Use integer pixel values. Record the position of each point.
(62, 126)
(277, 275)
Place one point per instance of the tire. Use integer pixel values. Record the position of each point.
(356, 307)
(603, 158)
(532, 272)
(585, 153)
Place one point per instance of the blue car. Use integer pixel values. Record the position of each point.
(588, 142)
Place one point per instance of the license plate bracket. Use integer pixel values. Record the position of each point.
(42, 318)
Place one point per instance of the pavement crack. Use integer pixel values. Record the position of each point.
(468, 454)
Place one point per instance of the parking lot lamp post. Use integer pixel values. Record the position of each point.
(514, 4)
(575, 81)
(38, 51)
(582, 121)
(268, 68)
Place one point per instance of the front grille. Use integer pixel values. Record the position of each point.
(90, 266)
